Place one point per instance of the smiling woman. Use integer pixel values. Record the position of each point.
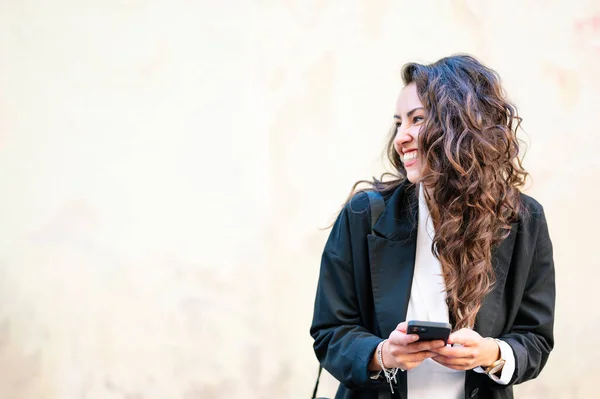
(456, 242)
(405, 141)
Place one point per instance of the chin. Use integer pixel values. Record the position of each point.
(413, 177)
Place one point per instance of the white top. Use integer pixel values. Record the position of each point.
(428, 303)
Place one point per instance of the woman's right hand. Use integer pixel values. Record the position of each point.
(404, 351)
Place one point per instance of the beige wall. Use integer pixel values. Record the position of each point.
(166, 166)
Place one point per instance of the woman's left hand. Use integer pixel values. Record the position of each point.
(475, 351)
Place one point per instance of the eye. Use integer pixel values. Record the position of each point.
(398, 124)
(418, 119)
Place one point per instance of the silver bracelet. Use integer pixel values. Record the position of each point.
(390, 374)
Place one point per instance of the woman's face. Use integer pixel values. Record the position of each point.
(409, 118)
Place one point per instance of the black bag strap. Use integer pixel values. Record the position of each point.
(376, 205)
(314, 395)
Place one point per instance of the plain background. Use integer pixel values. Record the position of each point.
(167, 167)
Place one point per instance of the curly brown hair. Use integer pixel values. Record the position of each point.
(472, 173)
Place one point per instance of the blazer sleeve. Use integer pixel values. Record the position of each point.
(531, 336)
(342, 344)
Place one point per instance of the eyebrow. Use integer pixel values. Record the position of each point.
(409, 113)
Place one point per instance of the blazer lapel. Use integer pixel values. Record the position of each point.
(392, 249)
(501, 256)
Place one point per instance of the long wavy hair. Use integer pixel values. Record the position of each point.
(471, 171)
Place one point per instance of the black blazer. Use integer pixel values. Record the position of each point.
(365, 282)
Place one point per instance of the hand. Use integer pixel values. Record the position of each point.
(475, 351)
(402, 351)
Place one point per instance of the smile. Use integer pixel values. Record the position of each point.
(409, 156)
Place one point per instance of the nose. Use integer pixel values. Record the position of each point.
(403, 137)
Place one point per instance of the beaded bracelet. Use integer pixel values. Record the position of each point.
(390, 374)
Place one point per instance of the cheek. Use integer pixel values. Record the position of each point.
(397, 144)
(415, 133)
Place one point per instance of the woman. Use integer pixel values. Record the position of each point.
(457, 242)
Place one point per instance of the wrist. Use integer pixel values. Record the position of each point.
(492, 352)
(374, 363)
(390, 373)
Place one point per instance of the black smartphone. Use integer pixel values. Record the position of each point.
(429, 330)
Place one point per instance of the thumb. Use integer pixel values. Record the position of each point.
(402, 327)
(463, 336)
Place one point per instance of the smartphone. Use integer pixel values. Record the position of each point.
(429, 330)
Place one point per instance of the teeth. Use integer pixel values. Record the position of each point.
(409, 156)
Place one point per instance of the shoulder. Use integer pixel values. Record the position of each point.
(533, 219)
(359, 205)
(532, 212)
(355, 215)
(531, 204)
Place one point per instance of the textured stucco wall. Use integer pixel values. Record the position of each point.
(166, 167)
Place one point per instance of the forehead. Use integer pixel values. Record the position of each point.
(408, 99)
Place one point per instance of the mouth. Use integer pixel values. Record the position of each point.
(409, 157)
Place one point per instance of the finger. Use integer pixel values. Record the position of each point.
(440, 360)
(457, 364)
(418, 357)
(424, 346)
(399, 338)
(457, 352)
(413, 360)
(464, 336)
(453, 361)
(428, 354)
